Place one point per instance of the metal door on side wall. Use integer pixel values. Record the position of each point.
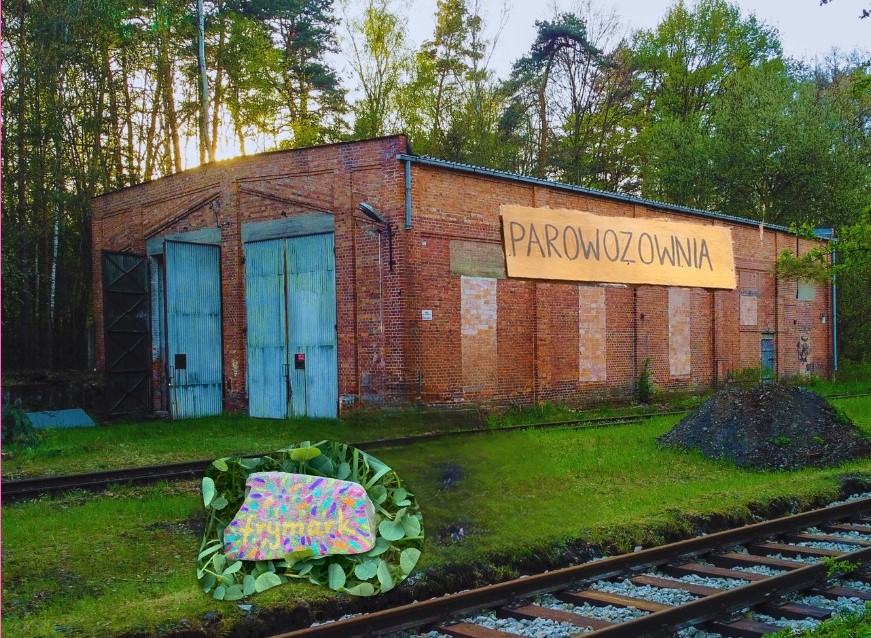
(127, 332)
(193, 327)
(291, 310)
(767, 357)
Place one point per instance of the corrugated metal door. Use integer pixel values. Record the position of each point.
(193, 326)
(266, 308)
(311, 312)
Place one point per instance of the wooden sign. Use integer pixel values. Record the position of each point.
(544, 243)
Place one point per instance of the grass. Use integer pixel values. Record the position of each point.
(126, 560)
(841, 626)
(135, 444)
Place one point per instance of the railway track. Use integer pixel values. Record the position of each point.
(776, 569)
(24, 489)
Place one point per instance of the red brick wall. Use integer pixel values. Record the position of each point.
(387, 351)
(331, 179)
(538, 327)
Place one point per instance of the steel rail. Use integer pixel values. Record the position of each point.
(441, 609)
(721, 604)
(23, 489)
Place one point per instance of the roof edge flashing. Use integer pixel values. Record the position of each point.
(629, 199)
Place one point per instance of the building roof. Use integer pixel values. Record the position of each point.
(629, 199)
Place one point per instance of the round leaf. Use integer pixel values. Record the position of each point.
(381, 546)
(208, 491)
(408, 559)
(365, 571)
(384, 577)
(232, 569)
(220, 590)
(304, 453)
(336, 576)
(398, 494)
(411, 526)
(248, 585)
(234, 592)
(219, 503)
(265, 581)
(343, 471)
(250, 464)
(219, 562)
(208, 582)
(391, 530)
(363, 589)
(220, 464)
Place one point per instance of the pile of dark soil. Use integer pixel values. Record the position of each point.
(771, 426)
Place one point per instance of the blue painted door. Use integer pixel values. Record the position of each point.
(291, 308)
(266, 308)
(193, 327)
(311, 312)
(767, 357)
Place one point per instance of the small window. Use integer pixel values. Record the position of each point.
(806, 290)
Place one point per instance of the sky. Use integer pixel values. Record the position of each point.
(807, 30)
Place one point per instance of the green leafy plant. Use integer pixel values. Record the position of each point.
(398, 541)
(819, 440)
(781, 441)
(835, 566)
(745, 377)
(17, 428)
(645, 383)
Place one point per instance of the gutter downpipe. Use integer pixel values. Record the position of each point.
(408, 194)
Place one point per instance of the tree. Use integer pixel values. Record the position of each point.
(380, 62)
(573, 88)
(304, 32)
(682, 67)
(451, 106)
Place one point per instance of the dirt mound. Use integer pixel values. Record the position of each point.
(770, 427)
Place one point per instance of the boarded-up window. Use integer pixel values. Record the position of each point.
(477, 259)
(806, 290)
(478, 332)
(591, 334)
(679, 312)
(749, 309)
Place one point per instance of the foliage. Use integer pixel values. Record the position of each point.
(399, 537)
(644, 389)
(380, 62)
(839, 626)
(835, 567)
(18, 430)
(745, 377)
(702, 110)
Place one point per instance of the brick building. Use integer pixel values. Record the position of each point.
(261, 284)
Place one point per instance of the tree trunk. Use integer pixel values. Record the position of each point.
(169, 112)
(118, 178)
(218, 97)
(134, 166)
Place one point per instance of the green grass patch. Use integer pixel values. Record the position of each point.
(127, 560)
(841, 626)
(136, 444)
